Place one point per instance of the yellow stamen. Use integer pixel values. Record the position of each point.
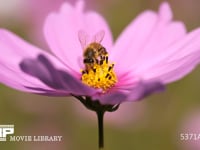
(101, 76)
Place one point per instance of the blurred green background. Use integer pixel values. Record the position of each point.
(157, 121)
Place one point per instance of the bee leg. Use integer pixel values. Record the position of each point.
(110, 67)
(97, 61)
(106, 59)
(94, 70)
(107, 75)
(101, 62)
(84, 72)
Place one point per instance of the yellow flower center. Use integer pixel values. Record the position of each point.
(100, 75)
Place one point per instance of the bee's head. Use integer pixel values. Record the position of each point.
(88, 60)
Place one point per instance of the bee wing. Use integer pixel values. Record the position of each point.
(98, 37)
(83, 38)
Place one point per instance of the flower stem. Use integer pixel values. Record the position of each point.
(100, 115)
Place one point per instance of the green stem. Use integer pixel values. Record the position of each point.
(100, 115)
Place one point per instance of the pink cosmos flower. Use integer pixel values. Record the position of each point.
(152, 51)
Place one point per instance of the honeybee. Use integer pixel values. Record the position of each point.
(94, 53)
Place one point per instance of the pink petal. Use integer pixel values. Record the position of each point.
(181, 58)
(165, 11)
(112, 98)
(146, 39)
(61, 32)
(7, 78)
(60, 80)
(13, 51)
(132, 38)
(134, 92)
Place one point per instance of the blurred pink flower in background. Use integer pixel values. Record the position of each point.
(36, 12)
(190, 128)
(11, 9)
(31, 14)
